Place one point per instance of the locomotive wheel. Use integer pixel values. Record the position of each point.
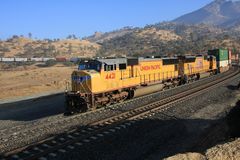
(81, 105)
(185, 79)
(198, 76)
(130, 94)
(68, 109)
(75, 105)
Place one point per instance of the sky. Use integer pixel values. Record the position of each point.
(59, 18)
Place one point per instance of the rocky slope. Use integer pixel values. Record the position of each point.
(226, 151)
(170, 39)
(220, 12)
(229, 144)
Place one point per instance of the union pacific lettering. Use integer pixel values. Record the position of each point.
(147, 68)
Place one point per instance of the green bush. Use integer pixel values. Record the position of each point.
(68, 64)
(50, 63)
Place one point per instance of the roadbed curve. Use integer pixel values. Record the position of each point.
(92, 117)
(164, 134)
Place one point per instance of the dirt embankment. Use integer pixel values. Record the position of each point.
(229, 132)
(33, 81)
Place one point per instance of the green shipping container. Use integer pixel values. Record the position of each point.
(220, 54)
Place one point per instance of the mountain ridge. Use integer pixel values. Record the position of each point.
(165, 38)
(224, 13)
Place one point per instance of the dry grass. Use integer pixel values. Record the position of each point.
(225, 151)
(79, 48)
(187, 156)
(33, 81)
(83, 48)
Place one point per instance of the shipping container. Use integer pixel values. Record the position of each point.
(48, 59)
(37, 59)
(75, 59)
(234, 57)
(220, 54)
(223, 69)
(230, 56)
(21, 59)
(61, 59)
(8, 59)
(223, 63)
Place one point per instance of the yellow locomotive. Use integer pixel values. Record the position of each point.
(100, 82)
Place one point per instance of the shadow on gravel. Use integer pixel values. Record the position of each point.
(145, 139)
(28, 110)
(157, 139)
(233, 121)
(152, 138)
(232, 87)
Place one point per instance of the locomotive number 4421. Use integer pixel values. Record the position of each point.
(110, 76)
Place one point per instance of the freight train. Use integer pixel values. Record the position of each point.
(15, 59)
(101, 82)
(39, 59)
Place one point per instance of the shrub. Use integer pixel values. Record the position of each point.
(68, 64)
(50, 63)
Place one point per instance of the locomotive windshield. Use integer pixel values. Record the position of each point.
(90, 65)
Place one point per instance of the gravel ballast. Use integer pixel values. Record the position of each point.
(85, 119)
(177, 130)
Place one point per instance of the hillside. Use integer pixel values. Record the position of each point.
(99, 37)
(161, 35)
(170, 39)
(139, 42)
(225, 13)
(25, 47)
(159, 39)
(216, 25)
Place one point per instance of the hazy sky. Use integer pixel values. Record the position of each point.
(59, 18)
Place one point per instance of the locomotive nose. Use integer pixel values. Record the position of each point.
(77, 99)
(81, 82)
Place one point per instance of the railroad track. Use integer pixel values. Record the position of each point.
(93, 131)
(25, 134)
(61, 119)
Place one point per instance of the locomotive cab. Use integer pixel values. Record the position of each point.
(79, 98)
(96, 82)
